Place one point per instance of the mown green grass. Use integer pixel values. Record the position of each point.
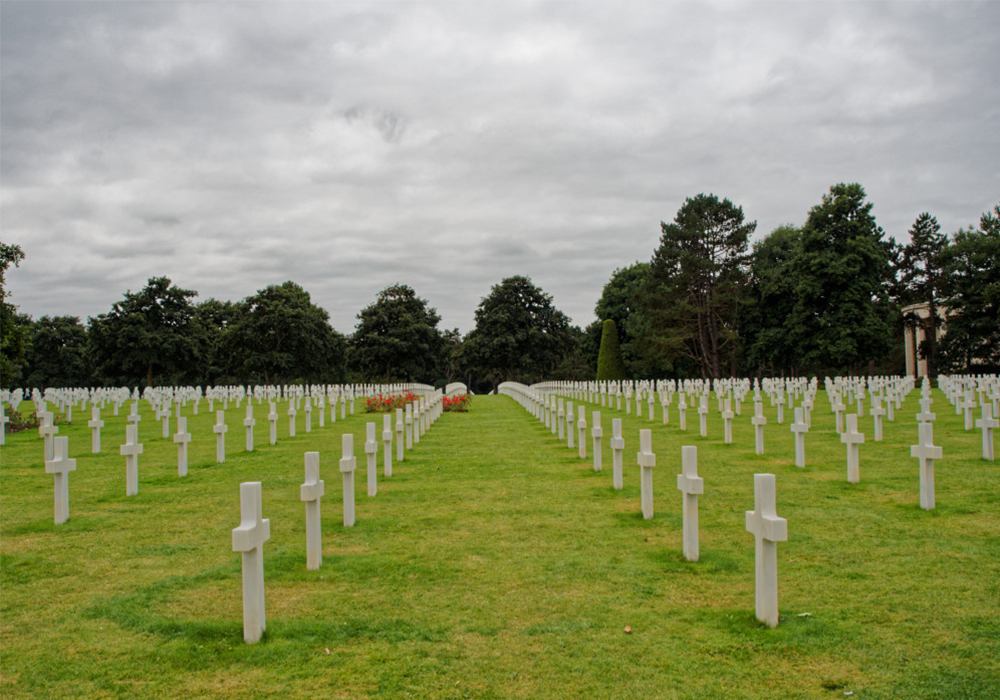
(497, 564)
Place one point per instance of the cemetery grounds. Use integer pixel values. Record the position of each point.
(495, 563)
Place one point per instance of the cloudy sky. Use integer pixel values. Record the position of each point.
(349, 146)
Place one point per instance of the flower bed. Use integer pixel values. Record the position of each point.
(388, 404)
(457, 404)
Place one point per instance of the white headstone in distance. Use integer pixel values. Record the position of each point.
(727, 420)
(47, 430)
(682, 412)
(292, 412)
(617, 448)
(131, 451)
(768, 529)
(570, 425)
(348, 463)
(581, 429)
(596, 433)
(408, 419)
(926, 452)
(371, 455)
(311, 491)
(400, 428)
(647, 460)
(309, 415)
(800, 428)
(182, 438)
(272, 419)
(987, 424)
(703, 415)
(387, 445)
(876, 412)
(248, 539)
(852, 438)
(59, 467)
(758, 421)
(249, 422)
(220, 428)
(690, 485)
(95, 424)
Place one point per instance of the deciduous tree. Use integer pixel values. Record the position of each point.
(396, 338)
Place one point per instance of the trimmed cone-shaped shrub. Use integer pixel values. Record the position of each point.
(610, 365)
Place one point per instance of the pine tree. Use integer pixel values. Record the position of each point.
(610, 365)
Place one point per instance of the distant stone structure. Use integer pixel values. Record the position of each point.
(914, 336)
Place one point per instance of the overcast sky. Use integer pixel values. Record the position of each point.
(350, 146)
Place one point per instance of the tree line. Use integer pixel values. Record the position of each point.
(826, 297)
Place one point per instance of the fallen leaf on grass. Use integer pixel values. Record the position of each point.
(628, 629)
(327, 650)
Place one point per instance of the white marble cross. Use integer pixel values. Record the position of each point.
(703, 415)
(409, 426)
(348, 463)
(292, 412)
(249, 422)
(309, 415)
(60, 466)
(561, 418)
(95, 424)
(182, 438)
(768, 529)
(647, 460)
(320, 404)
(968, 404)
(926, 452)
(876, 412)
(248, 539)
(570, 429)
(333, 409)
(371, 456)
(400, 455)
(852, 438)
(780, 401)
(131, 450)
(682, 412)
(47, 430)
(807, 405)
(838, 409)
(987, 424)
(596, 433)
(272, 419)
(690, 484)
(665, 405)
(163, 415)
(758, 421)
(581, 429)
(4, 420)
(311, 491)
(220, 429)
(800, 428)
(387, 445)
(925, 415)
(727, 421)
(617, 448)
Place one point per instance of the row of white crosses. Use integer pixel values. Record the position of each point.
(254, 530)
(763, 522)
(133, 448)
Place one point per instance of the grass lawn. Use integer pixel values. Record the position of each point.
(497, 564)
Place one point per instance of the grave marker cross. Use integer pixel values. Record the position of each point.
(249, 539)
(768, 529)
(690, 484)
(60, 466)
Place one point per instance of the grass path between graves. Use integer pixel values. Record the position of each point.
(497, 564)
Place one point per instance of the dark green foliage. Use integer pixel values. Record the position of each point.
(56, 355)
(149, 337)
(279, 335)
(922, 281)
(842, 317)
(689, 306)
(213, 319)
(519, 335)
(396, 338)
(768, 303)
(11, 332)
(971, 266)
(610, 366)
(620, 301)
